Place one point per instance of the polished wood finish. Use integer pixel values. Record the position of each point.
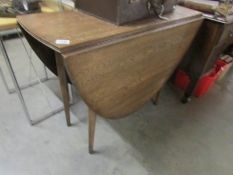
(64, 86)
(115, 69)
(119, 77)
(83, 30)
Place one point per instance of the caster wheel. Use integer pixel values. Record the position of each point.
(185, 100)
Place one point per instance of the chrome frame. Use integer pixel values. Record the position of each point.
(18, 89)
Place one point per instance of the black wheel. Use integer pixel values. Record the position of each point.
(185, 100)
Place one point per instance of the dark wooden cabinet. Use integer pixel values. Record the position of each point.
(213, 39)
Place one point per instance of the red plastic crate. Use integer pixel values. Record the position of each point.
(206, 82)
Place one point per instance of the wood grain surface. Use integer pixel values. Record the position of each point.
(116, 69)
(118, 78)
(85, 30)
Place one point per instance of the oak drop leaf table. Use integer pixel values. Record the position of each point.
(116, 69)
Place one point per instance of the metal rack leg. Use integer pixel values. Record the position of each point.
(22, 87)
(4, 81)
(73, 94)
(45, 72)
(14, 79)
(25, 86)
(18, 88)
(39, 82)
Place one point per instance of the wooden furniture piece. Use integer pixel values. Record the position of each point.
(115, 69)
(124, 11)
(10, 24)
(214, 38)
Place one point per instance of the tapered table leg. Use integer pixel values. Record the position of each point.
(91, 130)
(64, 86)
(189, 91)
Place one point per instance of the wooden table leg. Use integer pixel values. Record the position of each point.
(189, 91)
(91, 130)
(155, 99)
(64, 86)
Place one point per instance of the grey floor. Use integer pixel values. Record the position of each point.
(169, 139)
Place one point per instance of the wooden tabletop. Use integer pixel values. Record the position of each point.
(82, 29)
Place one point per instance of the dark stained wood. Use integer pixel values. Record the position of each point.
(115, 69)
(118, 78)
(46, 54)
(84, 30)
(212, 40)
(64, 86)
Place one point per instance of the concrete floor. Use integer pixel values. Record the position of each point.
(169, 139)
